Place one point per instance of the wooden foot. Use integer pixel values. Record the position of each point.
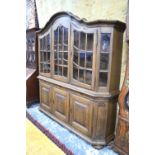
(98, 146)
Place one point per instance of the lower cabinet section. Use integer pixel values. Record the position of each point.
(81, 114)
(93, 119)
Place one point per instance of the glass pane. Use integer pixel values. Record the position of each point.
(105, 42)
(60, 35)
(76, 38)
(81, 75)
(104, 60)
(103, 79)
(75, 72)
(60, 57)
(56, 69)
(60, 48)
(65, 48)
(55, 55)
(88, 77)
(66, 36)
(82, 59)
(59, 70)
(44, 56)
(46, 68)
(41, 67)
(82, 40)
(48, 42)
(75, 57)
(44, 43)
(90, 41)
(89, 58)
(65, 71)
(41, 44)
(65, 58)
(41, 56)
(48, 57)
(56, 37)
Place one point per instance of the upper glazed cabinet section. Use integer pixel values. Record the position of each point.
(84, 54)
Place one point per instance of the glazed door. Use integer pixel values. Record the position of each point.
(81, 114)
(61, 49)
(45, 54)
(83, 48)
(61, 104)
(45, 96)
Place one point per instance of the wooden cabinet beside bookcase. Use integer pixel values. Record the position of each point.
(80, 63)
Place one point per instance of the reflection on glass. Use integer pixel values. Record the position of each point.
(41, 44)
(44, 56)
(60, 35)
(82, 40)
(75, 72)
(41, 56)
(75, 57)
(81, 75)
(89, 58)
(88, 77)
(56, 69)
(48, 42)
(103, 78)
(82, 59)
(66, 56)
(105, 42)
(65, 48)
(60, 47)
(104, 60)
(66, 36)
(76, 38)
(56, 37)
(65, 71)
(55, 55)
(43, 47)
(46, 68)
(48, 57)
(90, 41)
(60, 70)
(41, 67)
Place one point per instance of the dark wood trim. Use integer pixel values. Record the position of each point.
(32, 29)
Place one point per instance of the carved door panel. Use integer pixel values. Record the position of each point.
(81, 114)
(45, 96)
(61, 104)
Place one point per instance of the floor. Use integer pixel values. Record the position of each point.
(72, 142)
(36, 142)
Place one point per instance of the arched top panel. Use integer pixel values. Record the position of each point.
(68, 17)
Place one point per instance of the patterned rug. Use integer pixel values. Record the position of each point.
(66, 140)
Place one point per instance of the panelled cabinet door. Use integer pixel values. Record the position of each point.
(81, 114)
(45, 96)
(83, 45)
(61, 49)
(61, 104)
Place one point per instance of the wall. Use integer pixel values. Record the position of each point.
(89, 9)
